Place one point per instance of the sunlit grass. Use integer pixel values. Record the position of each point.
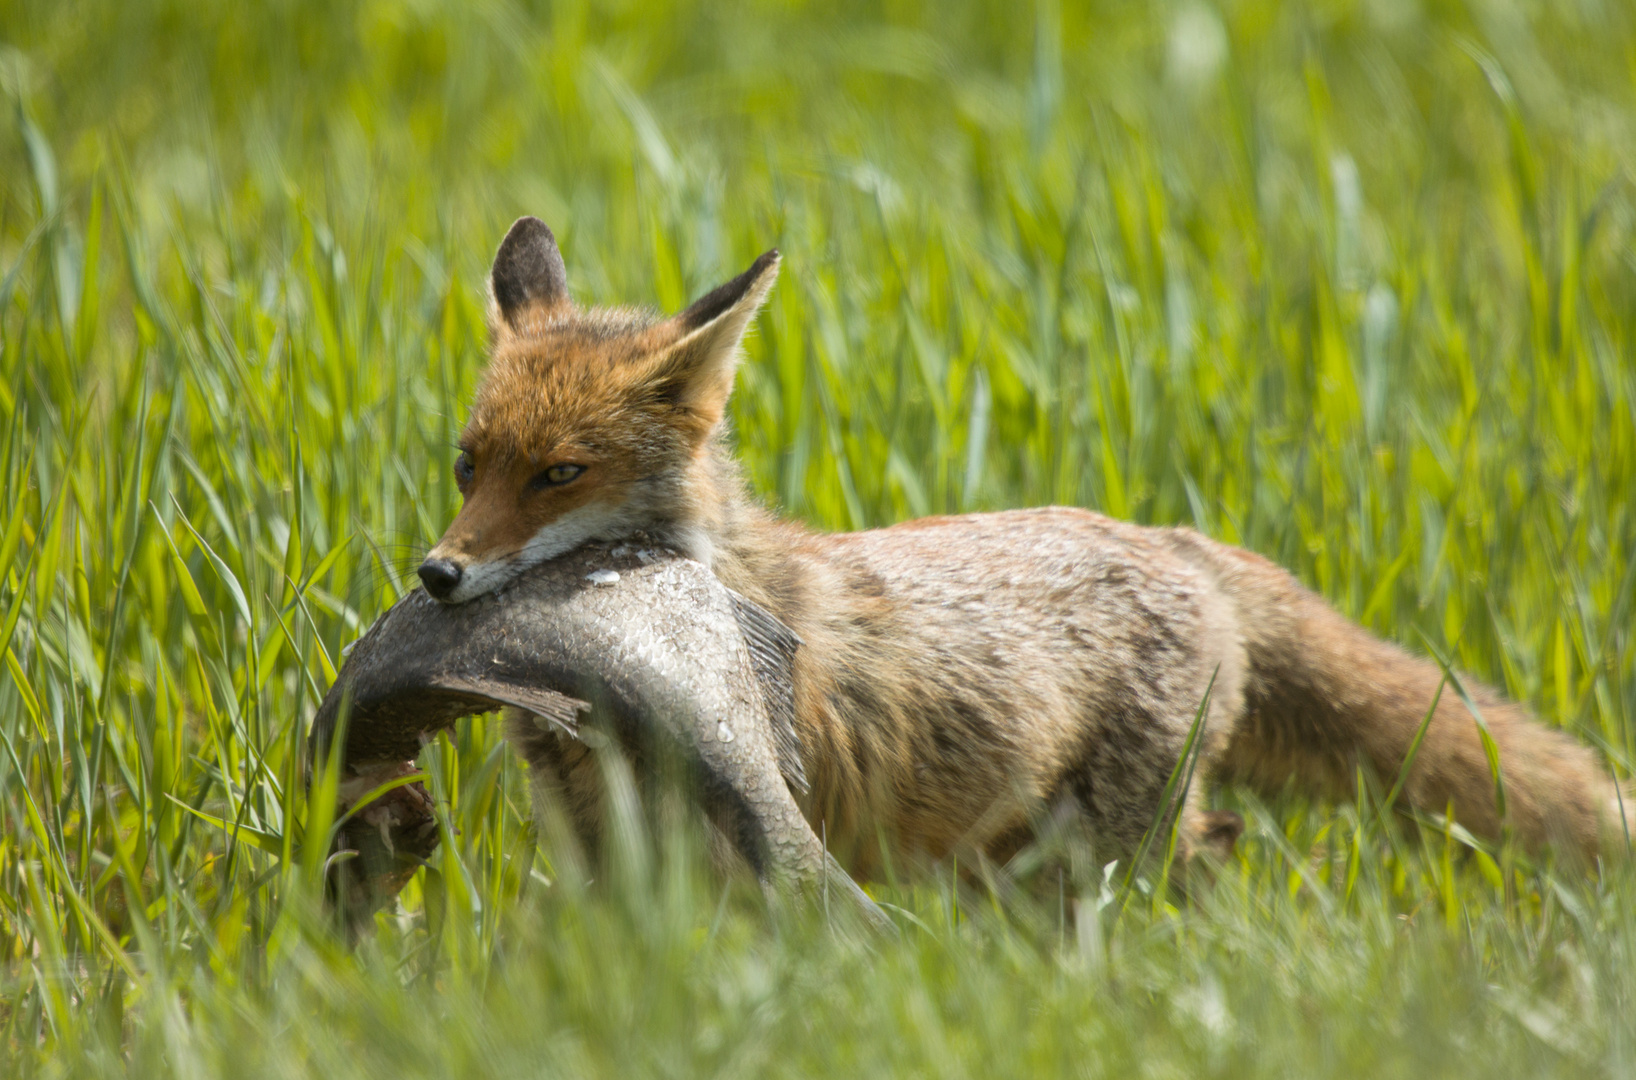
(1349, 283)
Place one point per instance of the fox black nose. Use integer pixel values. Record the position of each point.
(440, 576)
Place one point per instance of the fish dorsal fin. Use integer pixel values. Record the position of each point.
(772, 648)
(559, 709)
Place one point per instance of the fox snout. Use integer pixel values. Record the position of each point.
(441, 577)
(452, 576)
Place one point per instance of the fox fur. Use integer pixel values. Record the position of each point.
(962, 679)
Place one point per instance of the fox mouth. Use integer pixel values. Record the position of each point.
(451, 582)
(448, 582)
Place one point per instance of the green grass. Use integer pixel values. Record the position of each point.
(1349, 283)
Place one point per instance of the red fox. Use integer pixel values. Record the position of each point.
(962, 679)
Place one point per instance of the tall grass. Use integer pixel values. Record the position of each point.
(1348, 283)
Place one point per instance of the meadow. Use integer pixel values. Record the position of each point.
(1349, 282)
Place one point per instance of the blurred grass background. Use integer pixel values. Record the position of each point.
(1350, 282)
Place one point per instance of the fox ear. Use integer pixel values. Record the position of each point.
(697, 371)
(528, 273)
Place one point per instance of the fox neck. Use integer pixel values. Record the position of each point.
(706, 510)
(719, 522)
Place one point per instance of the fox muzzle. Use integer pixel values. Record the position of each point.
(440, 576)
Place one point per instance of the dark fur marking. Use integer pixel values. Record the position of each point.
(866, 583)
(528, 270)
(719, 300)
(1121, 812)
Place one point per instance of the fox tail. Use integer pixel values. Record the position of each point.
(1323, 695)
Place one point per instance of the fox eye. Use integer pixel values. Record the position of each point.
(555, 476)
(463, 469)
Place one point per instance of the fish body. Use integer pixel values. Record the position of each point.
(637, 643)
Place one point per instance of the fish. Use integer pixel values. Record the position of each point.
(639, 643)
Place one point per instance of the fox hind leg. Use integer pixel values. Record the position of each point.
(1208, 834)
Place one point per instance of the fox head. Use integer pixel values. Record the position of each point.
(588, 424)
